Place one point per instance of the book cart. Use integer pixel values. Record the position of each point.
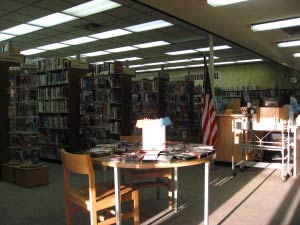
(254, 140)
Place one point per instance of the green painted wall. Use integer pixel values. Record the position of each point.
(262, 75)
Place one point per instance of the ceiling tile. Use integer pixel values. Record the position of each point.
(18, 18)
(122, 12)
(54, 5)
(11, 5)
(34, 12)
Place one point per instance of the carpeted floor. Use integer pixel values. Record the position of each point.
(254, 197)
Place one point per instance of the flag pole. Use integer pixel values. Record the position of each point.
(211, 65)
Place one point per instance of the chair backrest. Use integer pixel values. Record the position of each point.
(131, 139)
(77, 163)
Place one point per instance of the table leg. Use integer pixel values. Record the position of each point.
(176, 189)
(117, 195)
(206, 193)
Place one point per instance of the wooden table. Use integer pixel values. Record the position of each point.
(104, 161)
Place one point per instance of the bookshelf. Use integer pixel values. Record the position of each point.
(148, 99)
(4, 100)
(58, 105)
(23, 117)
(105, 104)
(179, 107)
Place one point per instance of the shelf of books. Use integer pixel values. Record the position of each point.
(148, 99)
(179, 107)
(58, 106)
(196, 114)
(23, 117)
(104, 104)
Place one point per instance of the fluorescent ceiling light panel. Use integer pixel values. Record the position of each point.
(181, 52)
(289, 44)
(220, 47)
(155, 63)
(276, 24)
(129, 59)
(32, 51)
(53, 46)
(135, 66)
(110, 34)
(179, 61)
(21, 29)
(5, 36)
(148, 70)
(216, 3)
(121, 49)
(95, 53)
(78, 41)
(249, 60)
(175, 67)
(149, 26)
(224, 63)
(296, 55)
(152, 44)
(97, 63)
(196, 65)
(52, 20)
(91, 7)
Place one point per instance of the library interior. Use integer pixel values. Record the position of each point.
(149, 112)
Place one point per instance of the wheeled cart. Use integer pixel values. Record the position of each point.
(254, 141)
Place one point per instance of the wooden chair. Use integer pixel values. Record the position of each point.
(150, 177)
(94, 198)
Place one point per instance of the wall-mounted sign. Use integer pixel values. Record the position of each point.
(199, 76)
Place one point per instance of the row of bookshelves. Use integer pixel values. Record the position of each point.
(52, 64)
(53, 106)
(54, 138)
(22, 109)
(46, 93)
(53, 78)
(57, 122)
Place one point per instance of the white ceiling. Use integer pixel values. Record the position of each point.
(182, 35)
(233, 23)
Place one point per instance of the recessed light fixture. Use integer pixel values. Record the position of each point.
(154, 63)
(296, 55)
(202, 58)
(91, 7)
(53, 46)
(110, 34)
(21, 29)
(216, 3)
(249, 60)
(288, 44)
(196, 65)
(276, 24)
(5, 36)
(136, 66)
(179, 61)
(52, 20)
(181, 52)
(224, 63)
(149, 26)
(78, 41)
(215, 48)
(95, 53)
(152, 44)
(32, 51)
(175, 67)
(148, 70)
(129, 59)
(121, 49)
(97, 63)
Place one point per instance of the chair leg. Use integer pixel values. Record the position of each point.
(93, 217)
(170, 193)
(68, 212)
(157, 190)
(136, 216)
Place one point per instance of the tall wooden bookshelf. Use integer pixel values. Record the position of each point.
(105, 104)
(179, 107)
(58, 105)
(23, 117)
(5, 63)
(148, 99)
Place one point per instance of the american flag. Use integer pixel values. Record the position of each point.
(209, 123)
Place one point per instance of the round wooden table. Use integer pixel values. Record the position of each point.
(175, 164)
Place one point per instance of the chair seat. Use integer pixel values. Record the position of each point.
(105, 192)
